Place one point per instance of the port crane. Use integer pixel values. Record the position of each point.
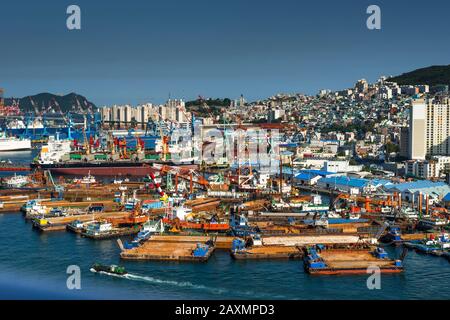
(188, 174)
(161, 193)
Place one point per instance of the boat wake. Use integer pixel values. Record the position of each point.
(186, 284)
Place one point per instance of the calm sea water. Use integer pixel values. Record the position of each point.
(33, 266)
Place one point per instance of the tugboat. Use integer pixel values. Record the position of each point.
(393, 236)
(112, 269)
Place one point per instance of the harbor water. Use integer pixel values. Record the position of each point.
(34, 266)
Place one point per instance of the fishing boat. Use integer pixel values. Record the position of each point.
(86, 179)
(430, 223)
(148, 228)
(131, 204)
(76, 226)
(431, 245)
(37, 210)
(16, 181)
(333, 215)
(29, 205)
(112, 269)
(408, 213)
(98, 228)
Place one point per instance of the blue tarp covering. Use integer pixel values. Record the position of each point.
(447, 197)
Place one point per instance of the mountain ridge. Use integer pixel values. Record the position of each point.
(49, 102)
(432, 75)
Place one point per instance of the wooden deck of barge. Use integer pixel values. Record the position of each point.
(165, 251)
(304, 240)
(268, 252)
(221, 242)
(353, 262)
(60, 223)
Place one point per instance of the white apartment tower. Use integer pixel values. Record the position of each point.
(429, 132)
(123, 116)
(438, 127)
(417, 130)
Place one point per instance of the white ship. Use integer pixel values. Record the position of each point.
(19, 124)
(16, 181)
(86, 180)
(13, 143)
(54, 150)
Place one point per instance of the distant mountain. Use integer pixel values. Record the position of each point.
(48, 103)
(432, 76)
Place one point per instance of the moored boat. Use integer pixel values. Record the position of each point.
(13, 143)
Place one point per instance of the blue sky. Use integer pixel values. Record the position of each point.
(142, 50)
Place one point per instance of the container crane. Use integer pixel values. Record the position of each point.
(123, 148)
(86, 143)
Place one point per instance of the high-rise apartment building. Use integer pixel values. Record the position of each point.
(438, 127)
(126, 115)
(417, 130)
(429, 131)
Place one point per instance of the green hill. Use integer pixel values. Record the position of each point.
(434, 75)
(47, 102)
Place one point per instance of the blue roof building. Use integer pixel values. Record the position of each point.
(410, 190)
(351, 185)
(321, 173)
(311, 176)
(447, 198)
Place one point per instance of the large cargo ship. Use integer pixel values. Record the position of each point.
(58, 157)
(126, 168)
